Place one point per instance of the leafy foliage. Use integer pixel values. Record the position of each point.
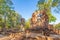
(27, 24)
(47, 5)
(8, 17)
(57, 26)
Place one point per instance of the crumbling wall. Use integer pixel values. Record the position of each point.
(39, 18)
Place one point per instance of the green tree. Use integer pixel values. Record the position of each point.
(8, 17)
(27, 24)
(13, 19)
(47, 5)
(57, 26)
(5, 6)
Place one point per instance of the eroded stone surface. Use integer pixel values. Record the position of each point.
(39, 19)
(33, 36)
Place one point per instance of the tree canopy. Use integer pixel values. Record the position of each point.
(8, 16)
(47, 5)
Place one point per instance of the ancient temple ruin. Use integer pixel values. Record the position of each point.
(39, 19)
(40, 22)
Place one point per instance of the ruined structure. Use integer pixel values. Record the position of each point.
(40, 23)
(39, 19)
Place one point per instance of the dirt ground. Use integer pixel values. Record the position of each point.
(22, 36)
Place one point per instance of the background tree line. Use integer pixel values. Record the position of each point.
(9, 18)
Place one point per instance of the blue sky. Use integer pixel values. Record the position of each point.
(27, 7)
